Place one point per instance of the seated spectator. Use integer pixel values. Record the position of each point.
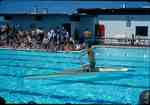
(71, 47)
(34, 43)
(40, 35)
(2, 101)
(66, 47)
(3, 28)
(77, 47)
(144, 98)
(71, 40)
(29, 40)
(16, 37)
(32, 102)
(45, 42)
(33, 33)
(72, 44)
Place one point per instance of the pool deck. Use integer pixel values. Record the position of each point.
(120, 46)
(94, 46)
(27, 49)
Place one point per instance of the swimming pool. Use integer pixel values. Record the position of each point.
(102, 87)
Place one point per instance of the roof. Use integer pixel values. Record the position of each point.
(121, 11)
(60, 6)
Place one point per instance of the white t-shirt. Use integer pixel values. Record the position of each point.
(38, 31)
(51, 34)
(45, 41)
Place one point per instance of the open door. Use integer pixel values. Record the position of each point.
(99, 30)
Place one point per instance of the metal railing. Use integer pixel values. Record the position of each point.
(145, 42)
(124, 41)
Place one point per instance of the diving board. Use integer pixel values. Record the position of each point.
(111, 69)
(76, 72)
(59, 74)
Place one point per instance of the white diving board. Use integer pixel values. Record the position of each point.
(77, 72)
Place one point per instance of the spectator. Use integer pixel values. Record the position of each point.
(81, 39)
(32, 102)
(144, 98)
(40, 35)
(2, 101)
(51, 34)
(36, 38)
(88, 36)
(45, 42)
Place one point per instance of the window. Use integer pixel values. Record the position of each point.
(141, 31)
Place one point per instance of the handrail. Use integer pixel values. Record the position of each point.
(124, 41)
(123, 38)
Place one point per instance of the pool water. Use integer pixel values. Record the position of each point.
(102, 87)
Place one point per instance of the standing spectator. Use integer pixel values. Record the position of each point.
(7, 29)
(56, 38)
(29, 40)
(45, 42)
(88, 36)
(2, 101)
(81, 39)
(63, 34)
(40, 35)
(132, 40)
(51, 34)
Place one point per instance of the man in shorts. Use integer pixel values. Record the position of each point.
(91, 67)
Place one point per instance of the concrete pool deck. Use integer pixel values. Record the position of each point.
(94, 46)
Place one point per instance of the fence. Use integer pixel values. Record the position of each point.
(124, 41)
(145, 42)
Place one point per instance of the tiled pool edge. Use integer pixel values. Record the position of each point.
(94, 46)
(112, 46)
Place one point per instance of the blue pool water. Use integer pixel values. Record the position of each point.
(102, 87)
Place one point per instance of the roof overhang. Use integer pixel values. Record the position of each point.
(112, 0)
(121, 11)
(26, 14)
(93, 11)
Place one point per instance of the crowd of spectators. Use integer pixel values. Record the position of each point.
(55, 39)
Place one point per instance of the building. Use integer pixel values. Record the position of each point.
(123, 19)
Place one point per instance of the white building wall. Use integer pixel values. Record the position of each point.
(116, 25)
(115, 28)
